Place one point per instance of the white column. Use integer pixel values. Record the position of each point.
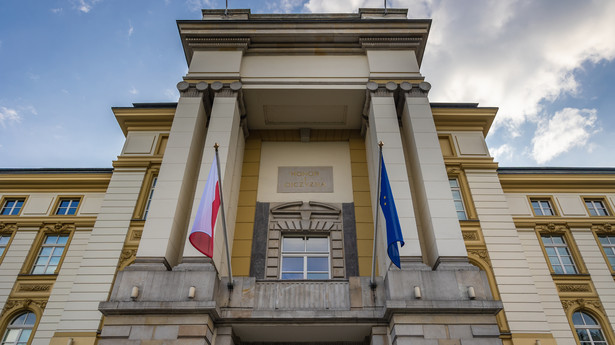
(224, 129)
(384, 126)
(440, 226)
(164, 232)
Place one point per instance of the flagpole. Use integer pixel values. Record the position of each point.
(228, 254)
(372, 282)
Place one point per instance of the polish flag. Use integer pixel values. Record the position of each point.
(202, 233)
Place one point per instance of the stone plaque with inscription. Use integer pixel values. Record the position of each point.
(305, 179)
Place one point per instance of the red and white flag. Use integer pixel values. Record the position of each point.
(202, 233)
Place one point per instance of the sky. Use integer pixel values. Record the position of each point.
(548, 65)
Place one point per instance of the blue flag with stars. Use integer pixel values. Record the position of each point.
(390, 216)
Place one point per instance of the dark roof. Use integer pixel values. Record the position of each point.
(555, 170)
(55, 170)
(155, 105)
(453, 105)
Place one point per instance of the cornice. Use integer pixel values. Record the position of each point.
(144, 119)
(579, 183)
(61, 182)
(48, 221)
(464, 119)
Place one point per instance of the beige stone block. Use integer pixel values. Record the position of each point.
(336, 235)
(242, 247)
(335, 244)
(243, 231)
(359, 169)
(250, 169)
(273, 244)
(363, 214)
(192, 330)
(337, 254)
(360, 184)
(365, 231)
(272, 272)
(338, 272)
(247, 198)
(245, 214)
(338, 262)
(249, 183)
(362, 198)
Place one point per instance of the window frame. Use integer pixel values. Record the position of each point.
(6, 198)
(12, 318)
(305, 254)
(53, 247)
(585, 326)
(146, 187)
(463, 204)
(564, 232)
(600, 231)
(61, 198)
(558, 255)
(47, 230)
(543, 198)
(9, 231)
(149, 196)
(455, 172)
(603, 200)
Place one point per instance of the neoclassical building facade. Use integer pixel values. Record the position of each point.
(298, 104)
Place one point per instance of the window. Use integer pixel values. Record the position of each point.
(458, 199)
(12, 207)
(588, 330)
(4, 242)
(150, 195)
(608, 245)
(596, 207)
(559, 254)
(305, 258)
(542, 207)
(67, 207)
(19, 330)
(50, 254)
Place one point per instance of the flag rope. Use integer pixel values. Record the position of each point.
(372, 281)
(228, 254)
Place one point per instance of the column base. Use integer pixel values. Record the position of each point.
(149, 263)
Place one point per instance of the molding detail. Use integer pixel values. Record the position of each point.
(389, 42)
(552, 228)
(126, 256)
(580, 303)
(58, 228)
(574, 288)
(481, 253)
(470, 235)
(23, 304)
(7, 228)
(605, 228)
(241, 43)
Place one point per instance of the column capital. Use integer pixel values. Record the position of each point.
(187, 89)
(416, 90)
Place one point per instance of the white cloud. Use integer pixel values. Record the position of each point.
(567, 129)
(56, 10)
(514, 54)
(131, 29)
(284, 6)
(8, 115)
(133, 91)
(85, 6)
(502, 152)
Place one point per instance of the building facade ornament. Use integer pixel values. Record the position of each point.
(58, 227)
(580, 303)
(7, 228)
(605, 228)
(552, 228)
(25, 303)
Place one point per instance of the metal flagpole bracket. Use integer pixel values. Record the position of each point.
(372, 282)
(228, 254)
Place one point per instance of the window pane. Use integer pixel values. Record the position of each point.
(62, 239)
(292, 264)
(558, 269)
(596, 335)
(55, 260)
(11, 336)
(582, 333)
(604, 240)
(30, 319)
(461, 215)
(547, 239)
(453, 183)
(458, 206)
(318, 264)
(38, 270)
(589, 320)
(318, 276)
(292, 275)
(50, 269)
(41, 261)
(550, 251)
(4, 239)
(25, 334)
(293, 244)
(57, 251)
(317, 244)
(566, 260)
(577, 319)
(558, 239)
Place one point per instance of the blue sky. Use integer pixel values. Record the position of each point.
(548, 64)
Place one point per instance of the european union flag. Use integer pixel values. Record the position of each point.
(390, 216)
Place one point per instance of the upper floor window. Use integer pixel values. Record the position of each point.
(4, 242)
(150, 196)
(305, 257)
(458, 199)
(608, 245)
(596, 207)
(588, 330)
(50, 254)
(68, 207)
(12, 207)
(19, 329)
(542, 207)
(559, 255)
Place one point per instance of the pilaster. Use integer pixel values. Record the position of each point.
(165, 229)
(384, 126)
(443, 240)
(225, 129)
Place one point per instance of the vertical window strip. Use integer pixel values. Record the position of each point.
(150, 196)
(50, 254)
(305, 258)
(4, 241)
(458, 199)
(608, 245)
(559, 255)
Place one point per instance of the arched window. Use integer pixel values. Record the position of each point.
(19, 330)
(588, 329)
